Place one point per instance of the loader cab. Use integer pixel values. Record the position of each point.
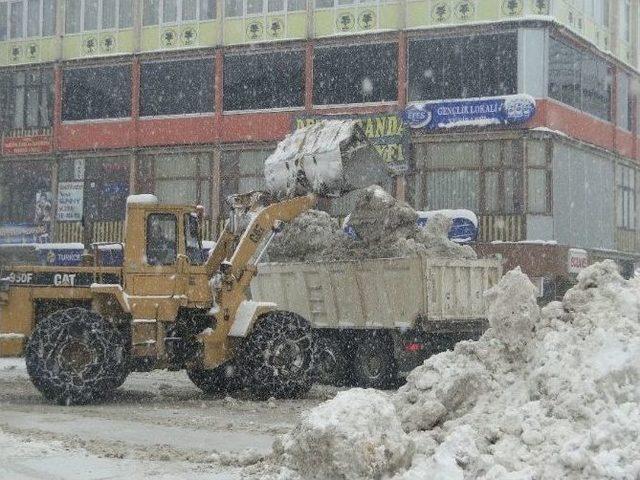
(163, 250)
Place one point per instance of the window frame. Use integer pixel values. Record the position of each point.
(99, 119)
(187, 219)
(179, 11)
(148, 238)
(43, 86)
(100, 18)
(265, 9)
(421, 172)
(626, 197)
(25, 20)
(212, 77)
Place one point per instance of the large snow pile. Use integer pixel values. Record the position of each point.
(385, 228)
(544, 394)
(357, 435)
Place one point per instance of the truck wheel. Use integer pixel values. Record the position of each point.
(75, 356)
(374, 364)
(331, 364)
(217, 380)
(278, 356)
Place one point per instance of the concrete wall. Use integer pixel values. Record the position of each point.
(583, 197)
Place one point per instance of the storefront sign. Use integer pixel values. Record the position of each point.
(70, 197)
(385, 131)
(578, 260)
(476, 112)
(23, 233)
(31, 145)
(78, 169)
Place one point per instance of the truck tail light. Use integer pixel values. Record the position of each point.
(413, 347)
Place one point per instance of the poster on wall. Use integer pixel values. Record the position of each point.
(70, 199)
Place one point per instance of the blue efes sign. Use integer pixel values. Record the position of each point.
(479, 112)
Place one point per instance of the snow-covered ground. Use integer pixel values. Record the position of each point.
(158, 426)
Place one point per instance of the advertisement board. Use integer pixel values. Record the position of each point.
(70, 198)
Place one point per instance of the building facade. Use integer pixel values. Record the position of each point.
(186, 98)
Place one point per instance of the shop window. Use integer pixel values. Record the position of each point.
(580, 80)
(175, 88)
(626, 197)
(355, 74)
(261, 81)
(26, 99)
(463, 67)
(162, 239)
(251, 8)
(91, 15)
(241, 171)
(177, 11)
(183, 178)
(106, 185)
(95, 93)
(23, 185)
(479, 176)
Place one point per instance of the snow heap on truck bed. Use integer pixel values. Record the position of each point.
(544, 394)
(385, 228)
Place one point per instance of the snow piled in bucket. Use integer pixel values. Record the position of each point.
(385, 227)
(544, 394)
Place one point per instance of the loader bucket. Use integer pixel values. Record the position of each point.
(329, 158)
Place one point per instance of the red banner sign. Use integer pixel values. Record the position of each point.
(27, 145)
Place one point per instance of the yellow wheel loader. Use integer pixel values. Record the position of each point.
(83, 329)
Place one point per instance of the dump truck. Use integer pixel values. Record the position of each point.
(375, 320)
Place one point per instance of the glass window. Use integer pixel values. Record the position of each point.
(464, 67)
(275, 5)
(189, 10)
(579, 79)
(3, 21)
(98, 92)
(48, 17)
(21, 183)
(456, 189)
(233, 8)
(33, 18)
(125, 14)
(192, 240)
(255, 6)
(536, 153)
(492, 192)
(73, 16)
(324, 3)
(106, 186)
(183, 178)
(15, 20)
(207, 9)
(453, 155)
(109, 16)
(162, 239)
(296, 5)
(626, 197)
(537, 190)
(151, 12)
(355, 74)
(169, 11)
(260, 81)
(179, 87)
(26, 99)
(91, 9)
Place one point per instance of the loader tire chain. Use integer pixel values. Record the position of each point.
(97, 379)
(258, 369)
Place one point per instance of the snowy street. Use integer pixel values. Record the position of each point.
(158, 426)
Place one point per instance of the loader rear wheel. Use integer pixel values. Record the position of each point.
(75, 356)
(221, 379)
(374, 364)
(278, 356)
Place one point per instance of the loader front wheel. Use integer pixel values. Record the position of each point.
(75, 356)
(218, 380)
(278, 356)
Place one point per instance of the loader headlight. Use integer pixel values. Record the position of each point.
(4, 284)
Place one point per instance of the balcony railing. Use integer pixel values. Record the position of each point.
(505, 228)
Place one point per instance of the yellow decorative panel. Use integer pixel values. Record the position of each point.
(265, 28)
(36, 50)
(181, 36)
(98, 43)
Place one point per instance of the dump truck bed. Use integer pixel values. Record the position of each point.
(394, 293)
